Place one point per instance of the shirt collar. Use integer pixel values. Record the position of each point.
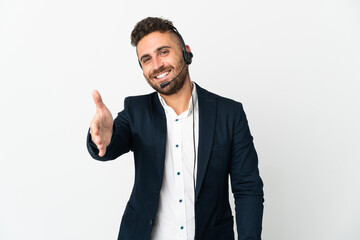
(169, 110)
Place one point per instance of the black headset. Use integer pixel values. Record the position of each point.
(187, 55)
(188, 59)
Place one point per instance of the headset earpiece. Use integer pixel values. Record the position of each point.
(187, 57)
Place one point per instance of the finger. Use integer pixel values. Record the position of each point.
(97, 141)
(97, 99)
(102, 152)
(94, 128)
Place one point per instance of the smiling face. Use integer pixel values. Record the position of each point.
(161, 58)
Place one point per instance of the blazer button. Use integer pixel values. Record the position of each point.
(151, 222)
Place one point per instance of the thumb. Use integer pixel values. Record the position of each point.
(97, 99)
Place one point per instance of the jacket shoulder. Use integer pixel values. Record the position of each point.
(139, 100)
(222, 102)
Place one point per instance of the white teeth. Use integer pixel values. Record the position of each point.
(162, 75)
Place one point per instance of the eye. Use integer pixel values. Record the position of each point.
(164, 52)
(145, 60)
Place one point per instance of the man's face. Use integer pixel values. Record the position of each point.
(161, 57)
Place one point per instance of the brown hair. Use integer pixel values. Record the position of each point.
(149, 25)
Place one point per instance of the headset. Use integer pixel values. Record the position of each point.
(186, 55)
(188, 60)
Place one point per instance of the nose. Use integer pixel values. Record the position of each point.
(157, 63)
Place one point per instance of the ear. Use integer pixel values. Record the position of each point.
(188, 48)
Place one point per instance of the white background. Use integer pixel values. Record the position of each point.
(293, 64)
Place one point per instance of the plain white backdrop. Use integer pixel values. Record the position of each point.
(295, 65)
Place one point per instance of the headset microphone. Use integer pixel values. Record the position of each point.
(187, 58)
(167, 83)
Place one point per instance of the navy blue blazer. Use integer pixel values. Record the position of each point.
(225, 148)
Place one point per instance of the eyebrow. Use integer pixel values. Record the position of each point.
(157, 50)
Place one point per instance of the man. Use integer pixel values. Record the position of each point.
(186, 142)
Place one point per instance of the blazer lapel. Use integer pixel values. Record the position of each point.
(159, 132)
(207, 117)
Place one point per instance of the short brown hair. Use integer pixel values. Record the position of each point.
(149, 25)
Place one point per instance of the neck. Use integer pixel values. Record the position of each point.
(180, 101)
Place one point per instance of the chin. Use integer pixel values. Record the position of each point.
(173, 87)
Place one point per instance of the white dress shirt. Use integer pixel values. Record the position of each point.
(175, 218)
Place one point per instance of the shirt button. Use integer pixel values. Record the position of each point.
(178, 173)
(176, 120)
(180, 200)
(177, 145)
(181, 227)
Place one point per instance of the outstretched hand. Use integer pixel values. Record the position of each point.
(101, 126)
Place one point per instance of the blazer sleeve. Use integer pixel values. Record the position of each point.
(121, 140)
(246, 183)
